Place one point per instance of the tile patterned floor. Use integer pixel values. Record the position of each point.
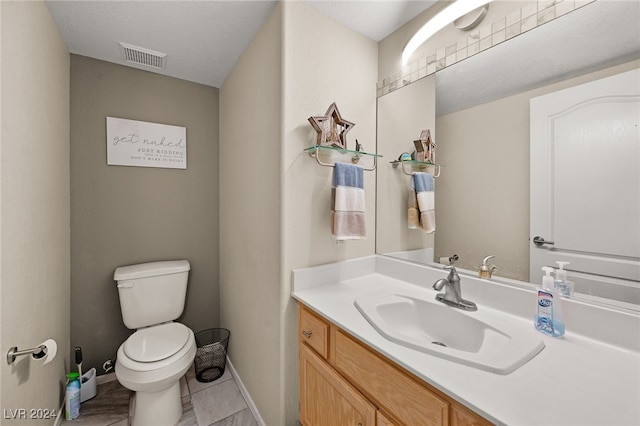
(218, 403)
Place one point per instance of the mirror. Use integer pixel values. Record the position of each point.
(406, 114)
(482, 195)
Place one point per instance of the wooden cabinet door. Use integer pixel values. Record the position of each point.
(381, 420)
(461, 416)
(326, 399)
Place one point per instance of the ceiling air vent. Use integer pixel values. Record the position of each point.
(142, 56)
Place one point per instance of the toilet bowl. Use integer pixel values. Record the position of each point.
(154, 358)
(151, 362)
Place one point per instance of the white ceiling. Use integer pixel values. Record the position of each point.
(375, 19)
(203, 39)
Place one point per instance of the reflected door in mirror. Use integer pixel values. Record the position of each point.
(585, 184)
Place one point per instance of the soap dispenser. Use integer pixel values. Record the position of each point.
(485, 269)
(561, 284)
(548, 319)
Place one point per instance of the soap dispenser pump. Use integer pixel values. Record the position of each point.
(548, 318)
(561, 284)
(485, 269)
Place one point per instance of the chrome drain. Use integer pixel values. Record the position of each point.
(439, 344)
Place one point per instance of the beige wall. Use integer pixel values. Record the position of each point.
(275, 204)
(34, 196)
(483, 194)
(250, 223)
(324, 62)
(125, 215)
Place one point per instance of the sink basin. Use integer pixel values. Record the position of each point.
(484, 341)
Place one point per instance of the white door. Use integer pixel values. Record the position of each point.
(585, 185)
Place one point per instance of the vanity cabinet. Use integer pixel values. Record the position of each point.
(344, 382)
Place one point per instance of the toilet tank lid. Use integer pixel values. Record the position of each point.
(150, 269)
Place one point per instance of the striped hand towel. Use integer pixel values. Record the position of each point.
(348, 219)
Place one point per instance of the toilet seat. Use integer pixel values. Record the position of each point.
(156, 343)
(181, 347)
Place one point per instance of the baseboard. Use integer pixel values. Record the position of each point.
(245, 394)
(109, 377)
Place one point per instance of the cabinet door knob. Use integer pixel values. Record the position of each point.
(306, 334)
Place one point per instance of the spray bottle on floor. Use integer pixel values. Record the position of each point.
(72, 396)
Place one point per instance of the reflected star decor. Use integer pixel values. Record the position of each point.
(332, 128)
(425, 147)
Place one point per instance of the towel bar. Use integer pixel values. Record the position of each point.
(354, 156)
(422, 165)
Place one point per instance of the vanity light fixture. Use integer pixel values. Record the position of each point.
(438, 22)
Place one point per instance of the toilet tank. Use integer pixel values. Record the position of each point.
(152, 293)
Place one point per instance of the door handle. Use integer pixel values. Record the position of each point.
(539, 241)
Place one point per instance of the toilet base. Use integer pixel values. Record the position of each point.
(163, 407)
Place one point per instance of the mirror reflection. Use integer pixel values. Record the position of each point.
(482, 131)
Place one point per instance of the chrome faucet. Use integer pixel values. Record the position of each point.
(452, 295)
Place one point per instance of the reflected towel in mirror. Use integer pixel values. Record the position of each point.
(425, 196)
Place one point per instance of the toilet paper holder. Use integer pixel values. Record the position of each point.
(37, 353)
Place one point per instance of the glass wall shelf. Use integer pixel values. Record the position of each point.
(414, 165)
(327, 155)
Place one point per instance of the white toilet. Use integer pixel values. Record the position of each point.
(154, 358)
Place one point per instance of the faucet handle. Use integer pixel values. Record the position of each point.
(453, 274)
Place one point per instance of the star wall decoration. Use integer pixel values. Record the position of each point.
(332, 128)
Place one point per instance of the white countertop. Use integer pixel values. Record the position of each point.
(588, 378)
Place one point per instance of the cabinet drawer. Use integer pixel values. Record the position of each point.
(402, 396)
(313, 330)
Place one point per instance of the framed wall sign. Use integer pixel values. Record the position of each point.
(144, 144)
